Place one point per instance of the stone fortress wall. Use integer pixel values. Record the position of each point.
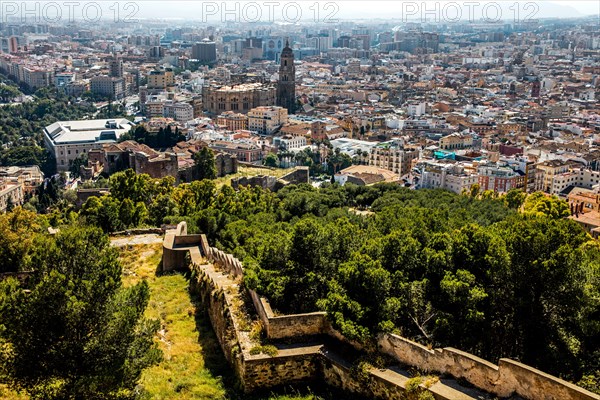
(216, 279)
(297, 176)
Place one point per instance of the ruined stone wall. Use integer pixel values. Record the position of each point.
(254, 371)
(297, 176)
(261, 371)
(226, 164)
(218, 307)
(305, 363)
(374, 383)
(507, 378)
(157, 167)
(288, 326)
(531, 383)
(263, 181)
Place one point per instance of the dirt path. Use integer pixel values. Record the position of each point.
(122, 241)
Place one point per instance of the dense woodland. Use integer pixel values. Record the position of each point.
(498, 277)
(160, 139)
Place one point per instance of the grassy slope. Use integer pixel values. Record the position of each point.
(183, 373)
(193, 366)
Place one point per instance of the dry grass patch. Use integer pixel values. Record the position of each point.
(7, 394)
(252, 171)
(182, 374)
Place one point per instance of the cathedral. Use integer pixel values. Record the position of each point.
(286, 85)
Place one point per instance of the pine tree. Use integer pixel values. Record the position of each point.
(76, 333)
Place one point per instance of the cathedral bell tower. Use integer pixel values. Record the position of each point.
(286, 85)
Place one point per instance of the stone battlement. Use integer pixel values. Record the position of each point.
(218, 286)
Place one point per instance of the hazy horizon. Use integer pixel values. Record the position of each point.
(302, 10)
(379, 9)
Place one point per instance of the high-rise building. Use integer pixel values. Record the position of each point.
(272, 48)
(156, 52)
(286, 85)
(535, 88)
(13, 44)
(205, 51)
(116, 67)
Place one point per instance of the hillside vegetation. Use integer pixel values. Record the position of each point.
(497, 277)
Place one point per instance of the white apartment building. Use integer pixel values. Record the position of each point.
(545, 173)
(289, 142)
(181, 112)
(266, 119)
(447, 176)
(36, 78)
(154, 108)
(416, 109)
(67, 140)
(581, 178)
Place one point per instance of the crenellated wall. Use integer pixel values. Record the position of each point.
(218, 286)
(507, 378)
(286, 326)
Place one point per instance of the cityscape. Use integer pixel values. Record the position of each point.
(379, 200)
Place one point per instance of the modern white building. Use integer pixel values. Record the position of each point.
(289, 142)
(448, 176)
(67, 140)
(62, 80)
(416, 109)
(353, 147)
(180, 111)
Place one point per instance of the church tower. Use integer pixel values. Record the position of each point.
(286, 85)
